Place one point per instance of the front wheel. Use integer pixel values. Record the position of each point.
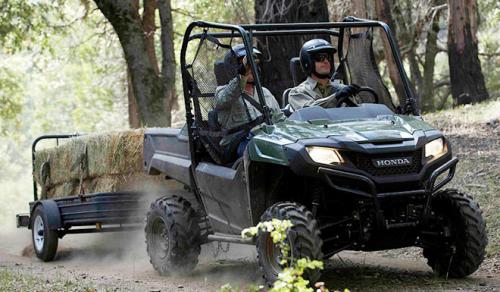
(459, 249)
(172, 236)
(303, 237)
(44, 239)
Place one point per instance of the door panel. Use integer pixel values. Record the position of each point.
(224, 194)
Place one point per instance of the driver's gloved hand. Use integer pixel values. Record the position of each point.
(346, 91)
(243, 66)
(242, 69)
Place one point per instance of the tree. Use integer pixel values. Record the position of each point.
(416, 25)
(153, 90)
(467, 81)
(11, 95)
(276, 74)
(428, 100)
(383, 11)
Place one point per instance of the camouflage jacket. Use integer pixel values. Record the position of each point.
(234, 111)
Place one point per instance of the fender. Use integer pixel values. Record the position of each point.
(51, 210)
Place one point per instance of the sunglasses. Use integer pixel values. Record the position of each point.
(322, 57)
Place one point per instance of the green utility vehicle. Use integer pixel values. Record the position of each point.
(366, 176)
(363, 177)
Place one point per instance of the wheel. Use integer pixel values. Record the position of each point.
(351, 103)
(303, 237)
(371, 91)
(44, 239)
(461, 247)
(172, 236)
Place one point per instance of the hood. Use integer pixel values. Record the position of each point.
(381, 129)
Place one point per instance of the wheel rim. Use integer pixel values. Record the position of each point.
(273, 255)
(446, 243)
(38, 233)
(160, 238)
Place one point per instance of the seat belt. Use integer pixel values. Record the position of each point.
(252, 101)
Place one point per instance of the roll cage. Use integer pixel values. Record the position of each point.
(247, 32)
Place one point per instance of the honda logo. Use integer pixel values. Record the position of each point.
(387, 162)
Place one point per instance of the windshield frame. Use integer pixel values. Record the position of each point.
(248, 31)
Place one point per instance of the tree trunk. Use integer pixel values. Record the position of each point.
(276, 73)
(358, 8)
(133, 113)
(467, 81)
(415, 75)
(431, 50)
(148, 87)
(149, 28)
(168, 55)
(383, 11)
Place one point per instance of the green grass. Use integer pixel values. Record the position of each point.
(15, 280)
(22, 280)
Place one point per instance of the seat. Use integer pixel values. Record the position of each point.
(284, 98)
(298, 74)
(220, 73)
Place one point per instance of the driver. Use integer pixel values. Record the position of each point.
(316, 59)
(236, 114)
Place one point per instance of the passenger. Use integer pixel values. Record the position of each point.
(237, 115)
(316, 59)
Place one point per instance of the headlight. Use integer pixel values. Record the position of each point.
(324, 155)
(435, 148)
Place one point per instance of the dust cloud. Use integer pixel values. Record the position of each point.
(123, 254)
(14, 198)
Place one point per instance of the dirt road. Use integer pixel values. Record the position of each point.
(118, 262)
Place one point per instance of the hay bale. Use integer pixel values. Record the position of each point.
(114, 162)
(110, 153)
(136, 181)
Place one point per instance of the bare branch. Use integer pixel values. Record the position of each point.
(184, 12)
(489, 54)
(442, 83)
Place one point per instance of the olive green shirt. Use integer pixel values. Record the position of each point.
(232, 108)
(312, 93)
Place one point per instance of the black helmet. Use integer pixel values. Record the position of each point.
(310, 48)
(232, 58)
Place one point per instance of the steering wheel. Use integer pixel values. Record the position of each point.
(350, 102)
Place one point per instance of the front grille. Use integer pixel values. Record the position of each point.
(364, 162)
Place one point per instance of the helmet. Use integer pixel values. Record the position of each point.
(311, 47)
(232, 58)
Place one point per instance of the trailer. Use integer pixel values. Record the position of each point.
(51, 219)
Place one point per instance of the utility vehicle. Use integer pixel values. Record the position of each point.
(362, 177)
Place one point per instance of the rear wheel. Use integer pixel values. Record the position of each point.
(460, 248)
(172, 236)
(303, 237)
(44, 239)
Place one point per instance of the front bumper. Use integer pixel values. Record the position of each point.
(370, 189)
(363, 186)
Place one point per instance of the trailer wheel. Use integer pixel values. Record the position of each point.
(461, 249)
(303, 237)
(172, 236)
(44, 239)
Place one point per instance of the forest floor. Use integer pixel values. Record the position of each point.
(119, 263)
